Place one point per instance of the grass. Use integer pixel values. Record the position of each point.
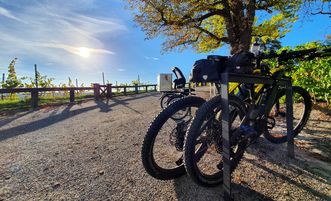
(15, 103)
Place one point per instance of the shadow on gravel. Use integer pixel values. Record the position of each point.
(325, 110)
(186, 189)
(65, 114)
(103, 105)
(121, 102)
(42, 123)
(277, 154)
(106, 107)
(13, 118)
(289, 180)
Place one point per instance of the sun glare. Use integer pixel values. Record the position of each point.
(84, 52)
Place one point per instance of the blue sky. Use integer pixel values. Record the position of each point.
(51, 34)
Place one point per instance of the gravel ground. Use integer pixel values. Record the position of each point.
(91, 151)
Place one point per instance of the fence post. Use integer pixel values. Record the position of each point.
(72, 95)
(136, 88)
(96, 87)
(124, 91)
(109, 91)
(146, 88)
(34, 98)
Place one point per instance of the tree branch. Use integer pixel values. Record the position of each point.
(222, 39)
(322, 13)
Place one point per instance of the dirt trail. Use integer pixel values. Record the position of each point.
(91, 151)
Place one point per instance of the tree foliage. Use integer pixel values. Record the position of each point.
(314, 75)
(209, 24)
(43, 81)
(12, 81)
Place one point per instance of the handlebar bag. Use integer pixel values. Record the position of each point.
(207, 70)
(241, 63)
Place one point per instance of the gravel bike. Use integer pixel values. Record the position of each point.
(180, 91)
(263, 115)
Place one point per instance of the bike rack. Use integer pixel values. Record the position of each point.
(251, 79)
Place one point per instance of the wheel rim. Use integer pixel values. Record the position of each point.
(278, 115)
(209, 141)
(167, 147)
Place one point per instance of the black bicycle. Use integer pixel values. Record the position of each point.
(265, 114)
(180, 91)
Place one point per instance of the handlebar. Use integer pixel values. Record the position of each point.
(287, 55)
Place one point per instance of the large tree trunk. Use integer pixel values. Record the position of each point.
(239, 24)
(240, 41)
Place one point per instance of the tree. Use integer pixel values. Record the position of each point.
(12, 81)
(321, 7)
(70, 83)
(209, 24)
(43, 81)
(135, 82)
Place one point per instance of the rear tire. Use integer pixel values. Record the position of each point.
(164, 100)
(277, 134)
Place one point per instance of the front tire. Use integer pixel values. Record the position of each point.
(204, 163)
(161, 154)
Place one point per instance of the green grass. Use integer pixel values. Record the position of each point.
(15, 103)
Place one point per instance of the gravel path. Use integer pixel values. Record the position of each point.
(91, 151)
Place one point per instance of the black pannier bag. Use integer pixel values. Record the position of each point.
(208, 70)
(241, 63)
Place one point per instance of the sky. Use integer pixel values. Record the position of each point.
(81, 39)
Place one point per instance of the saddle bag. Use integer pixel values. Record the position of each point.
(208, 70)
(241, 63)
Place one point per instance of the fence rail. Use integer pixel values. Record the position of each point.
(99, 91)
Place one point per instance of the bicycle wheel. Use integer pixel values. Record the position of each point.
(181, 113)
(162, 155)
(203, 141)
(276, 129)
(164, 99)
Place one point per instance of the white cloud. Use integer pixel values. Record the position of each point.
(152, 58)
(121, 69)
(52, 29)
(74, 50)
(7, 13)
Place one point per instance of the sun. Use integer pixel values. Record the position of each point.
(83, 52)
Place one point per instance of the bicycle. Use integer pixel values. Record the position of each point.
(259, 118)
(169, 97)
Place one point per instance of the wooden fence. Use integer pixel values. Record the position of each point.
(99, 91)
